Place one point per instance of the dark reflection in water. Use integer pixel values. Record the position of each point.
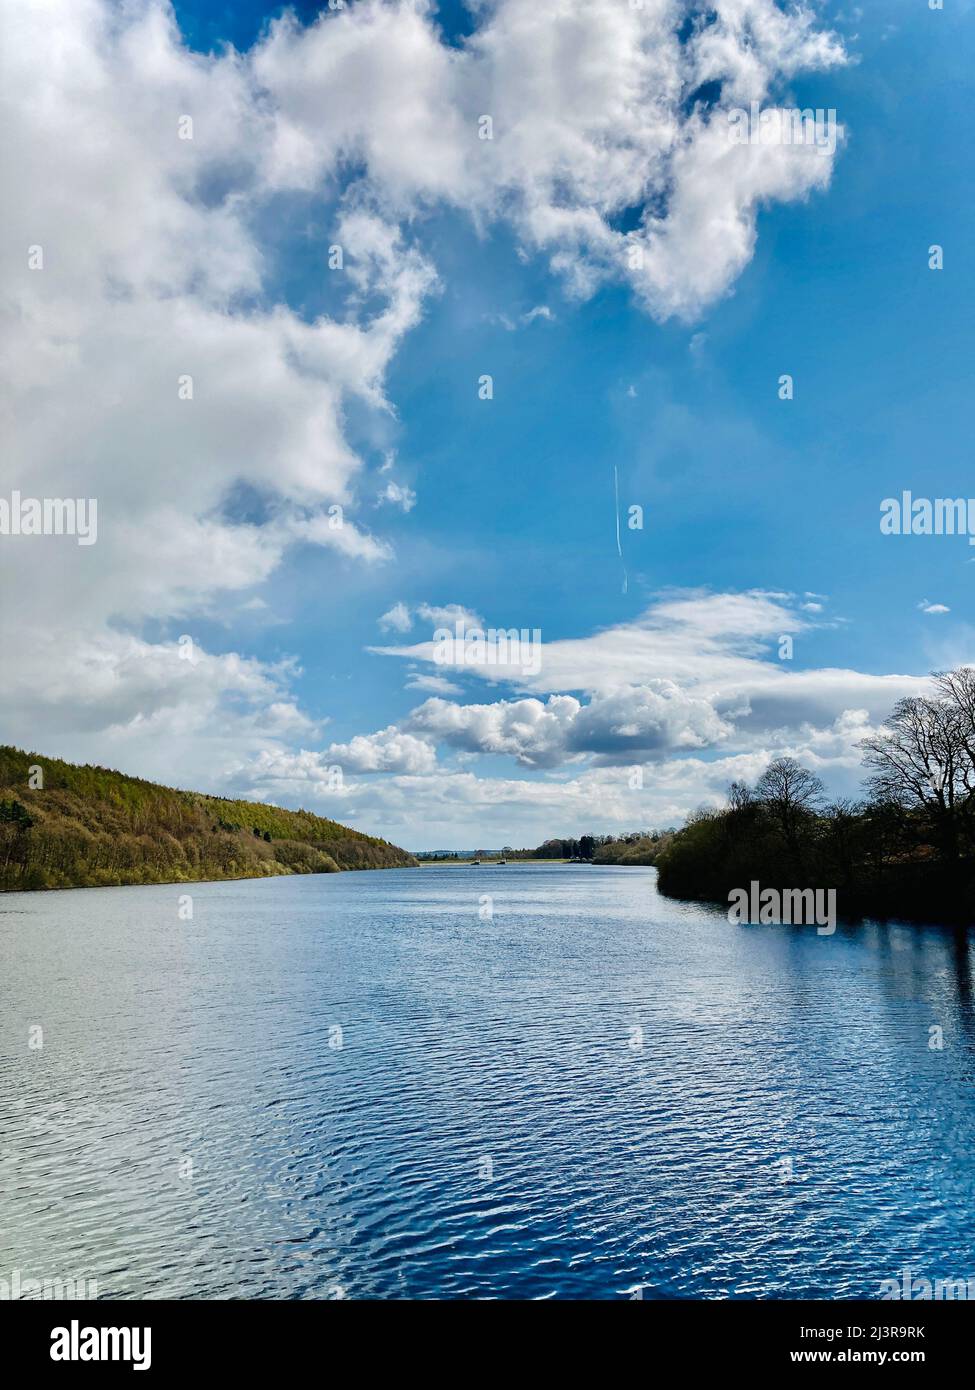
(356, 1085)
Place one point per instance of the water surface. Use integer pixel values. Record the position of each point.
(593, 1091)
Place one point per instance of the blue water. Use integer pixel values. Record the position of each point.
(592, 1092)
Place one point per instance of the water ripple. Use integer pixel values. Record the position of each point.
(595, 1093)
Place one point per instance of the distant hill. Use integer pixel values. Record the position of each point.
(89, 827)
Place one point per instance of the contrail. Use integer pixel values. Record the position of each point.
(619, 543)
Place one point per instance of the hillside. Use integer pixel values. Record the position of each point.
(90, 827)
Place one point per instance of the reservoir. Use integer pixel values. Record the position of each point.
(365, 1085)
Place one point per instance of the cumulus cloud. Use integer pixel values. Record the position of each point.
(389, 750)
(622, 725)
(528, 730)
(170, 710)
(145, 363)
(558, 119)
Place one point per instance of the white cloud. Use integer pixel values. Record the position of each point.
(401, 618)
(347, 539)
(530, 731)
(165, 710)
(396, 619)
(730, 707)
(540, 311)
(697, 673)
(142, 365)
(399, 495)
(752, 42)
(587, 120)
(620, 726)
(449, 615)
(927, 607)
(717, 648)
(146, 366)
(686, 637)
(460, 809)
(389, 750)
(434, 685)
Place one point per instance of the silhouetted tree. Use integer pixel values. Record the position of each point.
(920, 762)
(790, 794)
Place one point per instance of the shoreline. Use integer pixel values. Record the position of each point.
(261, 878)
(185, 882)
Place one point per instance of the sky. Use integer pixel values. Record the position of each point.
(361, 321)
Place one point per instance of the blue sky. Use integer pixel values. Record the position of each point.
(761, 516)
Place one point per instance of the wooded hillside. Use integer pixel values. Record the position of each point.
(89, 827)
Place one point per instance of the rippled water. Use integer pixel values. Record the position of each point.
(494, 1123)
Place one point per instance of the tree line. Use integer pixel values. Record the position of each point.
(906, 847)
(632, 847)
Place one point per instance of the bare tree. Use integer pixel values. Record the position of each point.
(957, 691)
(922, 759)
(790, 794)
